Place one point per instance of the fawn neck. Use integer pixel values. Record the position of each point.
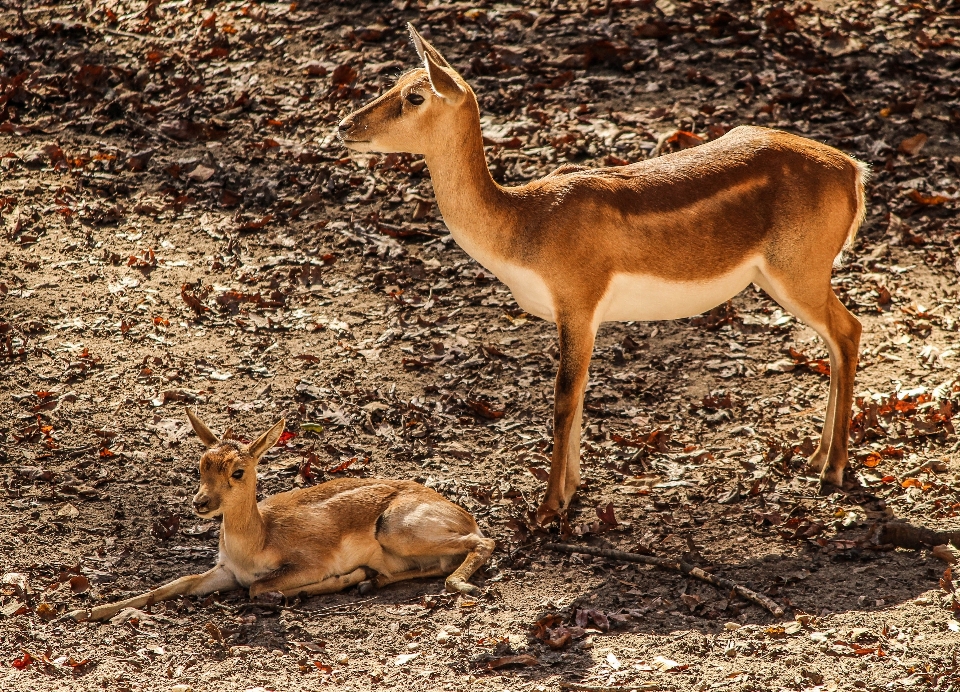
(474, 207)
(243, 528)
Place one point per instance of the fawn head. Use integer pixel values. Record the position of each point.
(418, 114)
(228, 469)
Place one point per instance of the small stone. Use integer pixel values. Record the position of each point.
(413, 646)
(342, 659)
(442, 637)
(68, 511)
(731, 627)
(181, 688)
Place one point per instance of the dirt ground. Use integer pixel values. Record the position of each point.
(181, 226)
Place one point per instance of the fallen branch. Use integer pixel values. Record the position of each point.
(644, 687)
(676, 566)
(904, 535)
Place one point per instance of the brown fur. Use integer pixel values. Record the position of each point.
(687, 217)
(320, 539)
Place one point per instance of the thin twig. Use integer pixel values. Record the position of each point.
(645, 686)
(676, 566)
(125, 34)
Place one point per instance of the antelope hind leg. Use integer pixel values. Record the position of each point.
(844, 346)
(840, 331)
(217, 579)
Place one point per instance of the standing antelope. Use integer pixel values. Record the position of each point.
(660, 239)
(321, 539)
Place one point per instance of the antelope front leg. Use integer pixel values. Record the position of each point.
(217, 579)
(576, 347)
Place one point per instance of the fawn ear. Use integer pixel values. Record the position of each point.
(442, 75)
(259, 447)
(203, 432)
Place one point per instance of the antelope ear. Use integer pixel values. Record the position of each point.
(203, 432)
(442, 75)
(417, 41)
(260, 446)
(443, 81)
(424, 48)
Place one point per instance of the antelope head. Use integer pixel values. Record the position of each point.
(228, 469)
(420, 114)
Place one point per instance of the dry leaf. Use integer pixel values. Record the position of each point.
(912, 145)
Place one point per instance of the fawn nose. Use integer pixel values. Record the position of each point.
(201, 504)
(345, 126)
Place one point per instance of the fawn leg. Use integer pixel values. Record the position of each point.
(458, 582)
(297, 583)
(217, 579)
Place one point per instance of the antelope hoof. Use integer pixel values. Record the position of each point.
(367, 586)
(462, 587)
(547, 513)
(830, 483)
(817, 461)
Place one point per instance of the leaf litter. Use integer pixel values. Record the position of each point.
(182, 227)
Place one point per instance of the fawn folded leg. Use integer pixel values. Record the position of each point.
(479, 551)
(382, 580)
(458, 582)
(423, 540)
(217, 579)
(576, 336)
(297, 583)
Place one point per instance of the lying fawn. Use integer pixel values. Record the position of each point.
(660, 239)
(321, 539)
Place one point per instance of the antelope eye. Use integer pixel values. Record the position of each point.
(238, 474)
(414, 98)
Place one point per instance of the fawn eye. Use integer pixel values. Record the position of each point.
(238, 474)
(414, 98)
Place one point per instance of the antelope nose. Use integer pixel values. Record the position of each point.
(200, 505)
(345, 126)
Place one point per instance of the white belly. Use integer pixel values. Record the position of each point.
(629, 297)
(644, 298)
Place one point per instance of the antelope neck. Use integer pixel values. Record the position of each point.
(474, 207)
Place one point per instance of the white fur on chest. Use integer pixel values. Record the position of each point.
(528, 289)
(246, 567)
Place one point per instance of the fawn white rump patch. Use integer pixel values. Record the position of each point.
(641, 297)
